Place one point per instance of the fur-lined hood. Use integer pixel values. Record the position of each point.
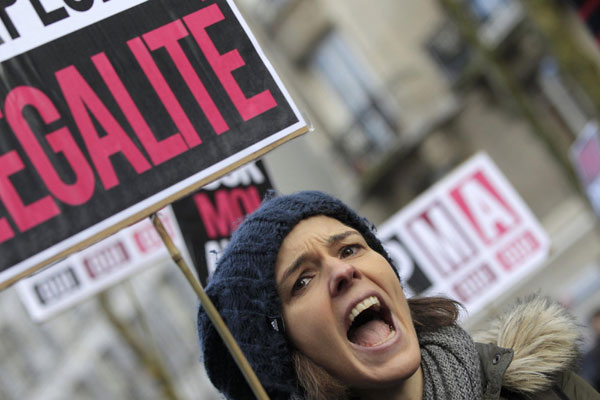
(544, 341)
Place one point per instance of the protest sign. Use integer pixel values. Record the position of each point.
(469, 237)
(113, 109)
(589, 12)
(104, 264)
(585, 156)
(203, 221)
(208, 217)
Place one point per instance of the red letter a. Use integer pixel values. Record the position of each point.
(80, 97)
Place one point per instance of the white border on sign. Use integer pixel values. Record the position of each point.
(34, 34)
(396, 225)
(145, 204)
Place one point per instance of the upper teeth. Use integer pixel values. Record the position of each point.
(362, 306)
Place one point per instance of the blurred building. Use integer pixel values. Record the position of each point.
(398, 96)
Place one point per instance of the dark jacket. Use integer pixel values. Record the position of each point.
(530, 353)
(590, 366)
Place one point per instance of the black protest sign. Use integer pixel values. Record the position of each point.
(111, 121)
(208, 217)
(585, 156)
(589, 12)
(414, 279)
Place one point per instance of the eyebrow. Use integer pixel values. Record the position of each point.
(333, 239)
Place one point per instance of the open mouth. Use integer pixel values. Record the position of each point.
(370, 323)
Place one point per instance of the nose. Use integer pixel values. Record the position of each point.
(341, 277)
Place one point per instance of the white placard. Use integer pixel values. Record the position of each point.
(469, 237)
(84, 274)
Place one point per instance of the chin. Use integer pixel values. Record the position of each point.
(392, 373)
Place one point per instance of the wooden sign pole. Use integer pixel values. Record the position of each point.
(212, 312)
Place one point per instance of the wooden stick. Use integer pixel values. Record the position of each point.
(212, 312)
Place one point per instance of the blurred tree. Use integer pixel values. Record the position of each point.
(496, 69)
(148, 358)
(574, 60)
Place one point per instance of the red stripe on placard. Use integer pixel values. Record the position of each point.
(588, 8)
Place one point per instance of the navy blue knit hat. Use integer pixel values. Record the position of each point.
(243, 289)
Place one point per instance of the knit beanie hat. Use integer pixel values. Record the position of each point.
(243, 290)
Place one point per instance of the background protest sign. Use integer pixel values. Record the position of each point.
(203, 221)
(98, 267)
(114, 109)
(585, 156)
(208, 217)
(469, 237)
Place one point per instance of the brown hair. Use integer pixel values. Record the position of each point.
(318, 384)
(433, 312)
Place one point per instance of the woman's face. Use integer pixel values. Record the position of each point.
(343, 305)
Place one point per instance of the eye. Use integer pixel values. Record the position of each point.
(350, 250)
(301, 283)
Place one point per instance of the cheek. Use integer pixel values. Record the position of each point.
(379, 270)
(309, 325)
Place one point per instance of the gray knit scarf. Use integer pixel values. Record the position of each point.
(450, 364)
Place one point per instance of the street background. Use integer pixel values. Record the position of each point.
(399, 94)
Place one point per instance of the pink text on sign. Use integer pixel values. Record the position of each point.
(147, 239)
(474, 284)
(588, 160)
(222, 216)
(441, 239)
(105, 260)
(485, 208)
(518, 251)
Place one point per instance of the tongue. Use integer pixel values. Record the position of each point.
(370, 333)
